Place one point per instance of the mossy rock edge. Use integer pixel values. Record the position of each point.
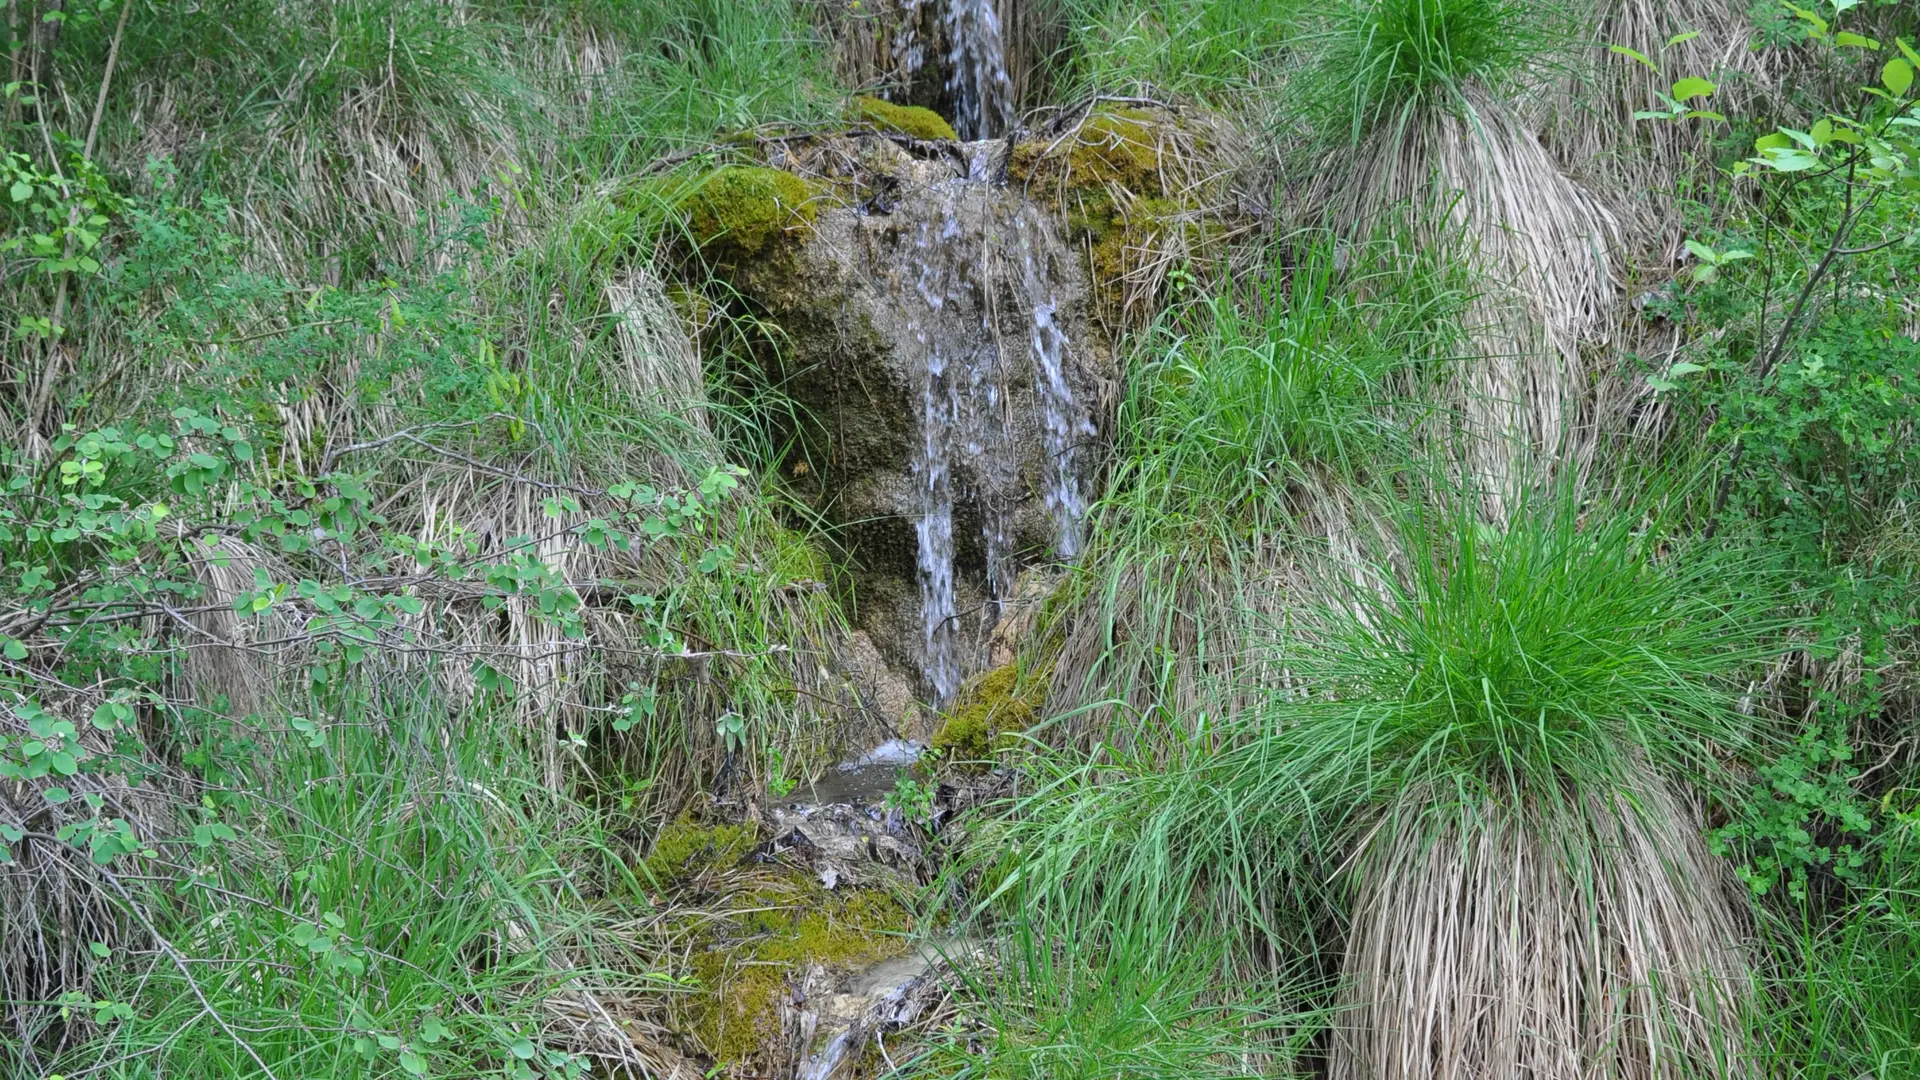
(913, 120)
(742, 210)
(990, 716)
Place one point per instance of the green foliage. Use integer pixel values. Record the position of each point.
(1237, 406)
(1806, 788)
(1243, 390)
(1385, 59)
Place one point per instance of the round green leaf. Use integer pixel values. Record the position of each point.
(1692, 87)
(1897, 76)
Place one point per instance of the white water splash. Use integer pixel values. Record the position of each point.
(972, 252)
(1066, 429)
(977, 69)
(932, 466)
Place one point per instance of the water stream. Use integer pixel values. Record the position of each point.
(976, 59)
(973, 250)
(977, 69)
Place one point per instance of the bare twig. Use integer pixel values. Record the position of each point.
(186, 973)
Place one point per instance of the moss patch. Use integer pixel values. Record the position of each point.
(1118, 146)
(745, 962)
(1120, 182)
(743, 209)
(989, 716)
(685, 848)
(905, 119)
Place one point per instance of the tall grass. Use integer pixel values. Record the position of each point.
(1216, 50)
(1845, 996)
(389, 895)
(1046, 1004)
(1246, 412)
(1557, 680)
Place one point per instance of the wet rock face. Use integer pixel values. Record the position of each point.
(938, 346)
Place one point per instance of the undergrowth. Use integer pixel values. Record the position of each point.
(389, 553)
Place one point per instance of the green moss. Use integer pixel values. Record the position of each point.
(743, 209)
(905, 119)
(1118, 146)
(989, 716)
(1110, 182)
(685, 848)
(784, 926)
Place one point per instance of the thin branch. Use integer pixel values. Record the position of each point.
(180, 962)
(106, 78)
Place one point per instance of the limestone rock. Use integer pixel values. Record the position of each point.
(936, 341)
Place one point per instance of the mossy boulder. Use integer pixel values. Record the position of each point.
(910, 120)
(746, 963)
(1114, 146)
(740, 211)
(917, 282)
(1138, 190)
(989, 716)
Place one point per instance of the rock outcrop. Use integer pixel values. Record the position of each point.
(933, 334)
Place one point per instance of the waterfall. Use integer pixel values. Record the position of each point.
(1065, 426)
(936, 274)
(971, 251)
(976, 62)
(977, 69)
(1066, 429)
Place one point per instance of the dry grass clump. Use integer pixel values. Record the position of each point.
(1590, 940)
(1479, 186)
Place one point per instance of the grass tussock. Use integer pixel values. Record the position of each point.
(1247, 417)
(1471, 714)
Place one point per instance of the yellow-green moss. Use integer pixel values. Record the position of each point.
(744, 966)
(741, 209)
(989, 716)
(685, 848)
(1109, 181)
(905, 119)
(1118, 146)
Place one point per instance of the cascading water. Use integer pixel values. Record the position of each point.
(976, 59)
(977, 69)
(936, 276)
(1067, 428)
(974, 251)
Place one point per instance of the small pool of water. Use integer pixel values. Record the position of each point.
(866, 780)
